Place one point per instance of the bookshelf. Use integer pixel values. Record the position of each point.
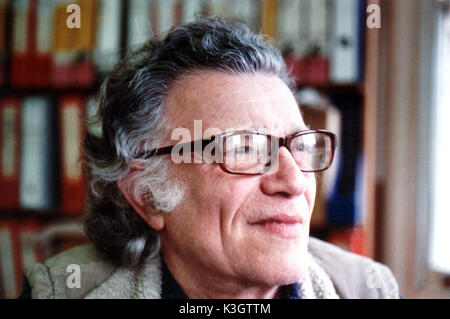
(352, 94)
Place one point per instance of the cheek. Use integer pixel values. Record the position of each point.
(309, 196)
(311, 190)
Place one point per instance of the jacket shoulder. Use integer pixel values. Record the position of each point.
(58, 278)
(354, 276)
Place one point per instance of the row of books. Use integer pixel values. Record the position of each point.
(55, 45)
(322, 39)
(40, 151)
(29, 241)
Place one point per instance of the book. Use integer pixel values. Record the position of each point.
(191, 9)
(139, 23)
(3, 8)
(107, 47)
(73, 188)
(350, 239)
(317, 53)
(268, 17)
(72, 47)
(41, 50)
(345, 207)
(10, 278)
(38, 171)
(245, 11)
(346, 41)
(94, 126)
(167, 15)
(30, 247)
(20, 64)
(10, 152)
(293, 37)
(31, 56)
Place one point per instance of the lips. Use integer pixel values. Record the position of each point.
(283, 225)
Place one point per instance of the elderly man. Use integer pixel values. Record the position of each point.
(217, 212)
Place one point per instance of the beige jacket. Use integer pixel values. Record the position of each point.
(335, 274)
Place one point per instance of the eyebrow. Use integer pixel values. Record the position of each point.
(299, 127)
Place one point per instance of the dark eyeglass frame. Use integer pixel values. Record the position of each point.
(282, 141)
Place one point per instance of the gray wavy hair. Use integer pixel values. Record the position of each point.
(131, 104)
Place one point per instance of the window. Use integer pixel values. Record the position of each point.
(440, 160)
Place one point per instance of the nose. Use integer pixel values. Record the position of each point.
(284, 178)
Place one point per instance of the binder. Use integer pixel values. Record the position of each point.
(72, 48)
(345, 206)
(317, 60)
(191, 9)
(10, 152)
(94, 126)
(245, 11)
(20, 63)
(19, 248)
(294, 37)
(84, 68)
(318, 70)
(107, 47)
(289, 34)
(29, 243)
(30, 65)
(346, 42)
(139, 26)
(37, 187)
(350, 239)
(62, 46)
(10, 278)
(269, 12)
(216, 7)
(71, 111)
(166, 10)
(2, 41)
(41, 51)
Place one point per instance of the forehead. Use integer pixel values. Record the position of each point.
(234, 101)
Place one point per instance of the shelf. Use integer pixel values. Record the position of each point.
(44, 214)
(335, 89)
(47, 90)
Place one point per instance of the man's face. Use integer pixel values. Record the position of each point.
(248, 230)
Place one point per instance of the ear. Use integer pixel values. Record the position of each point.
(151, 216)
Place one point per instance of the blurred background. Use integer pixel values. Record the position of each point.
(374, 72)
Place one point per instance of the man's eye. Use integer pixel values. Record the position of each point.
(299, 148)
(242, 150)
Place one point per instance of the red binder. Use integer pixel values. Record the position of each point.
(2, 40)
(9, 152)
(318, 70)
(21, 45)
(31, 60)
(31, 252)
(299, 68)
(351, 239)
(10, 275)
(72, 110)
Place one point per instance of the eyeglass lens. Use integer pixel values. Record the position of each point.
(251, 153)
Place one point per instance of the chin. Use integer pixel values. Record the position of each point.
(279, 268)
(290, 269)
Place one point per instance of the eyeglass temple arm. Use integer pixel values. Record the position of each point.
(168, 149)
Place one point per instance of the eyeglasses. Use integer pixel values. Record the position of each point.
(253, 153)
